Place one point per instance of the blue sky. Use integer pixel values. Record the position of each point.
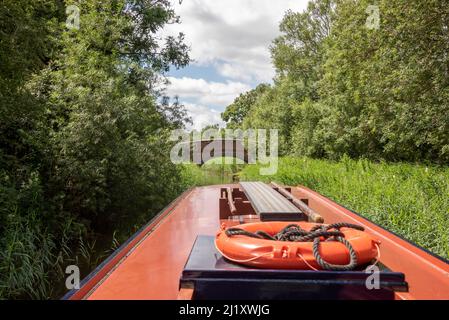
(229, 41)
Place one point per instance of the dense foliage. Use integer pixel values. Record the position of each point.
(344, 86)
(84, 145)
(84, 148)
(410, 200)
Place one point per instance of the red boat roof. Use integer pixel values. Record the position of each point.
(153, 265)
(150, 264)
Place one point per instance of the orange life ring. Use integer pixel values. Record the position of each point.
(269, 254)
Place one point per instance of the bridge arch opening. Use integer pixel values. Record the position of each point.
(206, 151)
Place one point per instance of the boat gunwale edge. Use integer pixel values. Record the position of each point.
(164, 212)
(434, 255)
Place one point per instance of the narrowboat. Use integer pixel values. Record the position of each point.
(262, 241)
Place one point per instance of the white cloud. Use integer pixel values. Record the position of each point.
(205, 92)
(231, 71)
(233, 35)
(203, 116)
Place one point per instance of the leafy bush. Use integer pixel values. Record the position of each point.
(84, 148)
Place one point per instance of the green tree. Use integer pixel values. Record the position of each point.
(298, 53)
(84, 145)
(27, 249)
(242, 105)
(343, 87)
(298, 56)
(387, 88)
(111, 133)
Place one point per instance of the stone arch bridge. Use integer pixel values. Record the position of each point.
(201, 151)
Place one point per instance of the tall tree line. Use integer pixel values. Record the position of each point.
(84, 132)
(347, 86)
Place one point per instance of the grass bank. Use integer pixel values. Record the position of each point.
(411, 200)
